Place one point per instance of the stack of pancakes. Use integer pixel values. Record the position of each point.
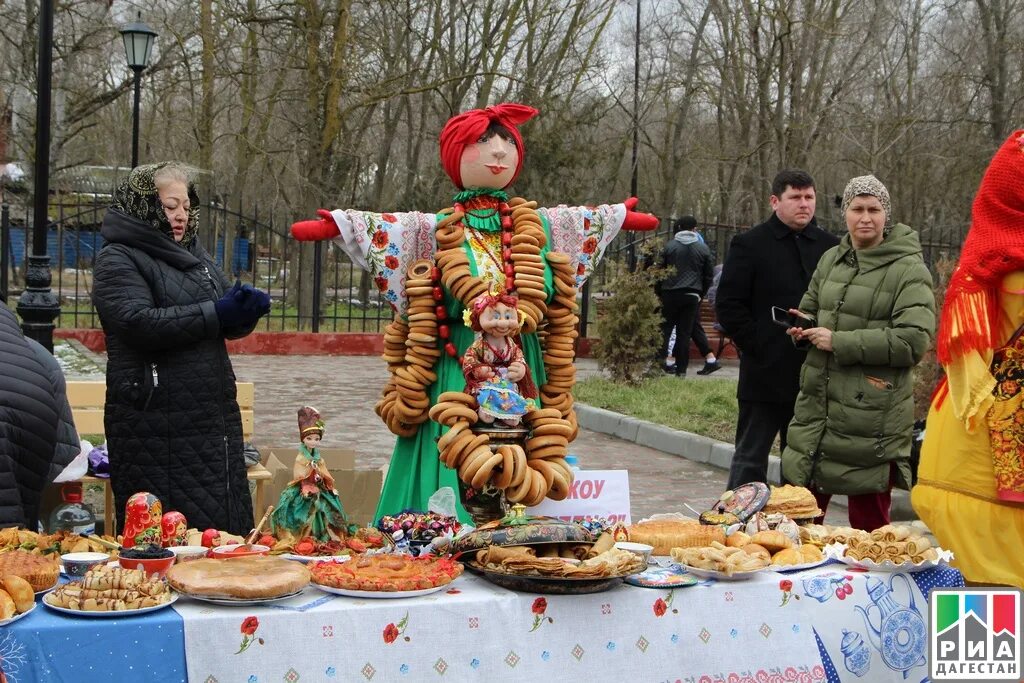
(794, 502)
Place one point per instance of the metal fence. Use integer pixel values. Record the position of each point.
(262, 253)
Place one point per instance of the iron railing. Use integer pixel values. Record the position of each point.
(343, 298)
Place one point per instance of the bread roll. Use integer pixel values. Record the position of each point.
(7, 607)
(774, 541)
(20, 591)
(811, 553)
(787, 556)
(737, 539)
(756, 550)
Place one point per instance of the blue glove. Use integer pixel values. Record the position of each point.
(229, 309)
(254, 301)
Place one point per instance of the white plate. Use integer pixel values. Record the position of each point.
(4, 622)
(305, 559)
(720, 576)
(795, 567)
(381, 594)
(838, 551)
(121, 613)
(242, 602)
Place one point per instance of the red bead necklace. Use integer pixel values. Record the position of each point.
(504, 265)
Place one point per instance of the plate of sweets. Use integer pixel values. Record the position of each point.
(720, 562)
(385, 575)
(891, 548)
(107, 591)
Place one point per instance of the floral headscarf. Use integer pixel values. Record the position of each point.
(137, 196)
(871, 186)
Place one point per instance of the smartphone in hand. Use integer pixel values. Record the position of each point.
(782, 317)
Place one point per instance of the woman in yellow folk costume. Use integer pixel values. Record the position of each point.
(431, 267)
(970, 489)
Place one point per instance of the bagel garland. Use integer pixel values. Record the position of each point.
(411, 349)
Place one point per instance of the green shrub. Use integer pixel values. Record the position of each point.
(629, 326)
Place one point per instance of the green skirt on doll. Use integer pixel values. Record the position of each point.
(318, 514)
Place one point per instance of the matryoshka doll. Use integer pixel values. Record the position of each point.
(174, 529)
(142, 520)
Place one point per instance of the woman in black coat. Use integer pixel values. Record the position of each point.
(172, 422)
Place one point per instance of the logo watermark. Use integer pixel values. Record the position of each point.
(975, 634)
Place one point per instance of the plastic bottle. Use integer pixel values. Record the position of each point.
(573, 462)
(73, 515)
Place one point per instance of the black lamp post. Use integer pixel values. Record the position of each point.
(138, 44)
(635, 165)
(38, 306)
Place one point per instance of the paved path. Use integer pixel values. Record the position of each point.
(344, 389)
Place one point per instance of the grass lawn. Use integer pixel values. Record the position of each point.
(706, 407)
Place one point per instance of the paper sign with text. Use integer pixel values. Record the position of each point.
(602, 494)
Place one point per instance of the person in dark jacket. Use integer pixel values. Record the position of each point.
(172, 421)
(690, 269)
(769, 265)
(874, 318)
(37, 439)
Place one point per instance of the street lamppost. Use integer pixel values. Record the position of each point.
(138, 43)
(634, 177)
(38, 306)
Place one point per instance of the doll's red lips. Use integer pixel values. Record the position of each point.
(496, 168)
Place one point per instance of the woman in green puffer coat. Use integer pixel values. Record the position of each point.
(874, 317)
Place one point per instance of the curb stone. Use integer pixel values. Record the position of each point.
(698, 448)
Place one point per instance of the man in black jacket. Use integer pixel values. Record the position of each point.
(769, 265)
(37, 439)
(690, 269)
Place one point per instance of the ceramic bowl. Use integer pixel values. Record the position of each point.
(77, 564)
(233, 550)
(641, 549)
(157, 567)
(187, 553)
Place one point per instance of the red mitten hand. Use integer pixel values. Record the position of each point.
(636, 220)
(323, 228)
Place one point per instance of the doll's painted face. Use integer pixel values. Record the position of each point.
(490, 162)
(499, 320)
(311, 440)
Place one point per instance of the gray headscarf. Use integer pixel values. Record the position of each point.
(867, 185)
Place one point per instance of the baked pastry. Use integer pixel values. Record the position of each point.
(774, 541)
(665, 534)
(7, 606)
(756, 550)
(795, 502)
(110, 589)
(788, 556)
(737, 539)
(244, 578)
(20, 591)
(40, 571)
(389, 573)
(811, 553)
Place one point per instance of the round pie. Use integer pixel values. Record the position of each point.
(244, 578)
(387, 573)
(41, 571)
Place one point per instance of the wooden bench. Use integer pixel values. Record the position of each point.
(709, 321)
(87, 399)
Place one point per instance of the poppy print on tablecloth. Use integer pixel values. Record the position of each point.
(392, 631)
(539, 609)
(248, 628)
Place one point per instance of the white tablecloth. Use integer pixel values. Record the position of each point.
(771, 629)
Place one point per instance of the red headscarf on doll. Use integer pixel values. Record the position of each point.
(467, 127)
(485, 301)
(994, 248)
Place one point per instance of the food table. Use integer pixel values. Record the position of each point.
(773, 627)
